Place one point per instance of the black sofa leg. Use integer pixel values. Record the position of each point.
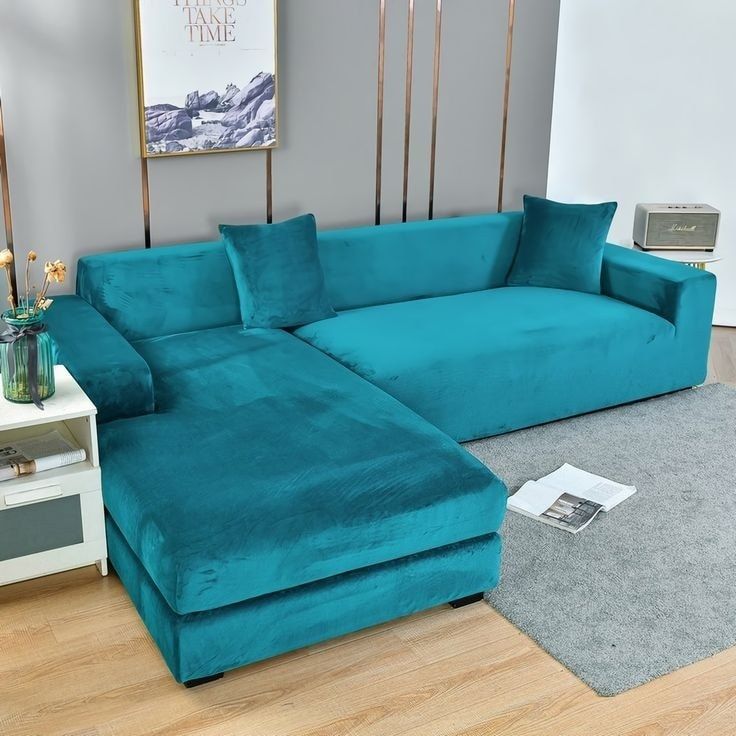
(460, 602)
(203, 680)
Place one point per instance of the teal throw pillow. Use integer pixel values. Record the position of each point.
(561, 245)
(277, 273)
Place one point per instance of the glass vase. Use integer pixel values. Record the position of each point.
(17, 387)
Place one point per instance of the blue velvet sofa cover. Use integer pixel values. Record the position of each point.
(274, 499)
(300, 470)
(267, 490)
(424, 314)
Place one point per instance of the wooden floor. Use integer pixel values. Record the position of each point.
(76, 659)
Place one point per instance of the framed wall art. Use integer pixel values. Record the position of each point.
(206, 75)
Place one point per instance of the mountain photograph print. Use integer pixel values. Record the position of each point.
(206, 75)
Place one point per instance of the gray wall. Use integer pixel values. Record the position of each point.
(67, 77)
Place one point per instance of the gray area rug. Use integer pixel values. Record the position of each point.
(650, 586)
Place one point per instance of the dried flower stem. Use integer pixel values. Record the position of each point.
(28, 283)
(30, 258)
(11, 301)
(42, 294)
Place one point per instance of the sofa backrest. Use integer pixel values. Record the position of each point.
(183, 288)
(365, 266)
(161, 291)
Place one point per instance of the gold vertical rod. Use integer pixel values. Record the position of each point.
(379, 105)
(435, 103)
(142, 126)
(146, 203)
(7, 214)
(269, 186)
(407, 107)
(506, 91)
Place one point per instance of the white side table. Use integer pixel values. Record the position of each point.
(696, 258)
(53, 520)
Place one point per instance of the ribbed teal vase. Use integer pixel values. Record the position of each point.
(16, 358)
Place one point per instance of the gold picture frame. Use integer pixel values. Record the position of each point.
(243, 114)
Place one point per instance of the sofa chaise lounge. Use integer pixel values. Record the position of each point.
(267, 489)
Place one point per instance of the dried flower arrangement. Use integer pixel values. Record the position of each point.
(54, 271)
(26, 349)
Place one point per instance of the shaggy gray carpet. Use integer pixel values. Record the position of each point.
(650, 586)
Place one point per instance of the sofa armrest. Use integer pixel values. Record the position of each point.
(104, 363)
(681, 294)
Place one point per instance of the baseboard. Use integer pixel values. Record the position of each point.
(725, 317)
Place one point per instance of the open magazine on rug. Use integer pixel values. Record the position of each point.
(569, 498)
(35, 454)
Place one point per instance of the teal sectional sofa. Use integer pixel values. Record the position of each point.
(266, 489)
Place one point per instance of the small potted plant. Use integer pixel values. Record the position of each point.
(26, 350)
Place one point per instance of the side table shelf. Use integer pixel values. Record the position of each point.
(53, 520)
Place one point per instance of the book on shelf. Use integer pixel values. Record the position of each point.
(569, 498)
(36, 454)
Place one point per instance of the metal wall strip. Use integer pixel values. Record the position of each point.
(435, 103)
(269, 186)
(146, 202)
(407, 107)
(7, 213)
(506, 91)
(379, 105)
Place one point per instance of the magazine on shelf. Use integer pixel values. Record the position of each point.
(569, 498)
(36, 454)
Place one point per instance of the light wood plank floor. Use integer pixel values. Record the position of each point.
(76, 660)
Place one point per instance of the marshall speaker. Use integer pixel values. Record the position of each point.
(676, 226)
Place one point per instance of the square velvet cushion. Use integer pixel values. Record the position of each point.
(561, 245)
(277, 272)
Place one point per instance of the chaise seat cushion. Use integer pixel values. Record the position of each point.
(269, 465)
(492, 361)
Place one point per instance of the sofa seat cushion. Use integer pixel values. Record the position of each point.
(269, 465)
(487, 362)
